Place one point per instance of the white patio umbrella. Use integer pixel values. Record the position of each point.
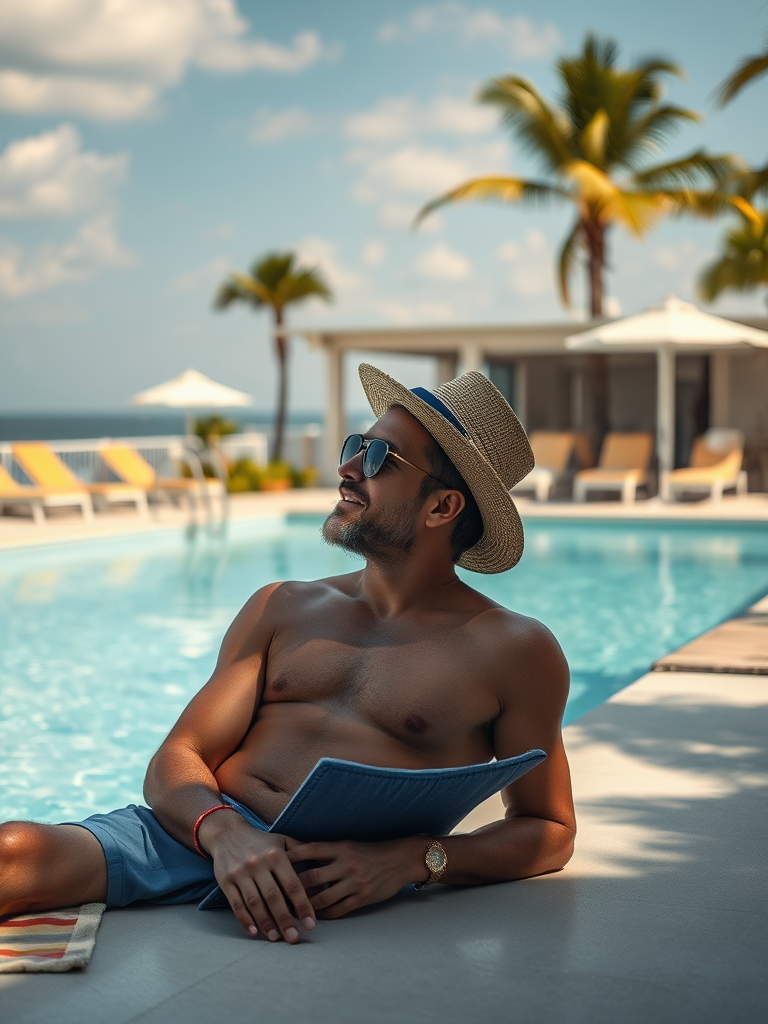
(675, 326)
(192, 390)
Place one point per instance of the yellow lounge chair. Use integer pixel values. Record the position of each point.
(131, 468)
(552, 454)
(14, 494)
(47, 470)
(714, 465)
(623, 467)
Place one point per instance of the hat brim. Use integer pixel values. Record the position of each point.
(501, 544)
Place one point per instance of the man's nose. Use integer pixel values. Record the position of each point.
(352, 469)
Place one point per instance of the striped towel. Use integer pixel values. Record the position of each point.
(56, 940)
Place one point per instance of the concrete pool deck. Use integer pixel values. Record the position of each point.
(660, 916)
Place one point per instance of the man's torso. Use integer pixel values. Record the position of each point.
(417, 691)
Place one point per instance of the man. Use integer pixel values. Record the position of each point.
(399, 665)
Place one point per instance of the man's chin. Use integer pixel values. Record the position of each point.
(339, 534)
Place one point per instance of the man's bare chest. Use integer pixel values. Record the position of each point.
(425, 688)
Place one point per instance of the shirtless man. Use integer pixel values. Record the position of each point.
(400, 665)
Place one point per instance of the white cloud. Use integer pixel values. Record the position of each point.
(278, 126)
(99, 98)
(374, 252)
(95, 247)
(517, 35)
(111, 59)
(202, 278)
(49, 175)
(396, 119)
(425, 171)
(532, 263)
(441, 263)
(321, 253)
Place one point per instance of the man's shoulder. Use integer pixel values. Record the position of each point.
(518, 649)
(275, 596)
(503, 628)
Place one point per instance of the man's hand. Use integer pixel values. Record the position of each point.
(256, 876)
(355, 875)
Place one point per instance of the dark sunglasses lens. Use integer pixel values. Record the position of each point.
(350, 448)
(375, 457)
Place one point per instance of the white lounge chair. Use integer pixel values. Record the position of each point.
(623, 467)
(714, 466)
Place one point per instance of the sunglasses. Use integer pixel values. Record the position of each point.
(375, 453)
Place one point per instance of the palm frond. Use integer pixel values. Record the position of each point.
(650, 130)
(542, 128)
(743, 262)
(606, 201)
(303, 285)
(688, 171)
(749, 69)
(498, 189)
(594, 139)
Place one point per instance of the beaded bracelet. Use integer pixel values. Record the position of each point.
(198, 823)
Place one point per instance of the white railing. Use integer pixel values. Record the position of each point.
(167, 455)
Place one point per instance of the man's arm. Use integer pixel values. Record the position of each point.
(180, 783)
(537, 832)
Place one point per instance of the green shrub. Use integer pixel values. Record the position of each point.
(304, 477)
(277, 471)
(244, 475)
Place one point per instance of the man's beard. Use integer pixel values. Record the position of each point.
(374, 536)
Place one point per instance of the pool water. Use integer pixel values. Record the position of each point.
(103, 643)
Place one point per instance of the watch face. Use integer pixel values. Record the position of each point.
(435, 859)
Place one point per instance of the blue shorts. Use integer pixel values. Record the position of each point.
(145, 864)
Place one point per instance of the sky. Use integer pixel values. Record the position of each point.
(149, 147)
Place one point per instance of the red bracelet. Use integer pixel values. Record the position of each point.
(198, 823)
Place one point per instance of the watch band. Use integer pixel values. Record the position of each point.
(436, 861)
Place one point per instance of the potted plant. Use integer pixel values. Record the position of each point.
(276, 477)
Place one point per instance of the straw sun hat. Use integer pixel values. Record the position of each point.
(473, 424)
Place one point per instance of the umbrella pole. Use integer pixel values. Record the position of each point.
(665, 416)
(189, 424)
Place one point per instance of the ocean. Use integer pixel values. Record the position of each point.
(58, 426)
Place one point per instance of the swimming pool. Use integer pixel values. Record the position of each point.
(103, 643)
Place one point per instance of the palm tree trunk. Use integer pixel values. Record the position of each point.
(595, 235)
(281, 347)
(597, 363)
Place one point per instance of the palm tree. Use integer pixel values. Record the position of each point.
(749, 69)
(743, 261)
(593, 144)
(275, 281)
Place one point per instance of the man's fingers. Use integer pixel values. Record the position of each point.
(334, 894)
(296, 892)
(340, 909)
(239, 908)
(312, 851)
(257, 909)
(321, 875)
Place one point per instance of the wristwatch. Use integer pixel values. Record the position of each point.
(436, 861)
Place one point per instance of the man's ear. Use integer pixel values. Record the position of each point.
(443, 507)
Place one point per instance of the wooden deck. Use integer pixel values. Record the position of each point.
(739, 645)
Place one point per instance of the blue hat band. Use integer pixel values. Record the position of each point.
(438, 406)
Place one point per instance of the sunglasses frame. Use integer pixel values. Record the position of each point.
(365, 444)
